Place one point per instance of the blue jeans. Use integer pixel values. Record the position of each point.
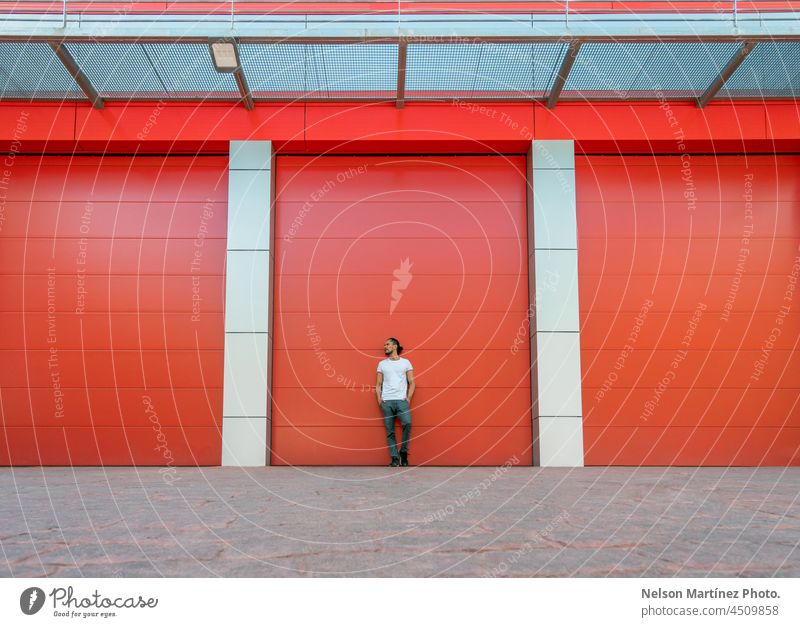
(397, 408)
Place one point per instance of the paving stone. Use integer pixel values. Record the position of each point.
(347, 521)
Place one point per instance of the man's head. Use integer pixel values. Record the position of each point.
(392, 347)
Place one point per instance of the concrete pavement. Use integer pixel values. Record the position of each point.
(371, 521)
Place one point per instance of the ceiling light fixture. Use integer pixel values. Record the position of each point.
(225, 55)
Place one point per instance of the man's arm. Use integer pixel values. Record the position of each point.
(411, 384)
(378, 386)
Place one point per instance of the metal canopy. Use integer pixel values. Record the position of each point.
(407, 58)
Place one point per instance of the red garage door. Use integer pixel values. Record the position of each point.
(690, 312)
(430, 250)
(111, 329)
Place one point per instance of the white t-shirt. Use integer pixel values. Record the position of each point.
(395, 384)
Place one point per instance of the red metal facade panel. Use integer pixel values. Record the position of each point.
(344, 227)
(690, 313)
(419, 127)
(251, 7)
(111, 321)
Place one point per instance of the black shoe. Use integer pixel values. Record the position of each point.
(395, 462)
(403, 458)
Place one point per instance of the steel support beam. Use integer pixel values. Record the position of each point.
(726, 73)
(244, 89)
(402, 55)
(563, 73)
(80, 78)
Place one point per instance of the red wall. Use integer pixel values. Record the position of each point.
(767, 126)
(694, 254)
(107, 355)
(460, 223)
(120, 129)
(204, 7)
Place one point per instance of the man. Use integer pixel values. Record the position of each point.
(394, 389)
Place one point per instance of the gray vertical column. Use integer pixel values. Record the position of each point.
(555, 330)
(248, 285)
